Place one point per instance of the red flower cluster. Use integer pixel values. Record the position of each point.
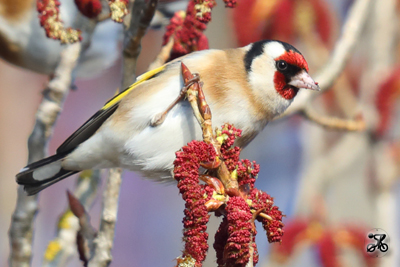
(261, 201)
(50, 20)
(241, 233)
(235, 239)
(187, 29)
(89, 8)
(186, 172)
(230, 3)
(385, 101)
(283, 20)
(328, 241)
(247, 172)
(230, 153)
(187, 33)
(203, 8)
(221, 236)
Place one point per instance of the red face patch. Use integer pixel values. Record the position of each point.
(292, 58)
(287, 92)
(295, 59)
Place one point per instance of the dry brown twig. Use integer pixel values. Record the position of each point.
(330, 72)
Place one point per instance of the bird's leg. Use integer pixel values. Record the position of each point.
(160, 117)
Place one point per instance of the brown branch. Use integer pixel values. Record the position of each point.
(140, 20)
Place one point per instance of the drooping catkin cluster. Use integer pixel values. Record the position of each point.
(89, 8)
(241, 234)
(49, 16)
(195, 195)
(235, 239)
(50, 20)
(187, 28)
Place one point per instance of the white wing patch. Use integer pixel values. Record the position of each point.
(47, 171)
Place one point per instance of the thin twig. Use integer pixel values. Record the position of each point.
(163, 56)
(104, 240)
(140, 20)
(344, 47)
(333, 122)
(21, 230)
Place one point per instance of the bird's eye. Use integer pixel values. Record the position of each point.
(281, 65)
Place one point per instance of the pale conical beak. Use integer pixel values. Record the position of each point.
(303, 80)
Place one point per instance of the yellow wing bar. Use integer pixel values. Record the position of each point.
(142, 78)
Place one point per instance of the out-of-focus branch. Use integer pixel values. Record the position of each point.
(21, 230)
(333, 122)
(104, 240)
(344, 47)
(163, 56)
(384, 35)
(61, 248)
(140, 20)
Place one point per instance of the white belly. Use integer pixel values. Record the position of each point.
(153, 149)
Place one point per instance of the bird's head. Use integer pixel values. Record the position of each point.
(276, 71)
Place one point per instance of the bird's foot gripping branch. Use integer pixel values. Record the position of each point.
(228, 191)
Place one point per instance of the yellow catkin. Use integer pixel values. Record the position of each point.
(86, 174)
(52, 250)
(63, 223)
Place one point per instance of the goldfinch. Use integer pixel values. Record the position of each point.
(246, 87)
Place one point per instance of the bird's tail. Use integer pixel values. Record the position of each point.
(38, 175)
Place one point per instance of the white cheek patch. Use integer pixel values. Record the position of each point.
(274, 49)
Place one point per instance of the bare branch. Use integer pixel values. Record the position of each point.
(105, 238)
(163, 56)
(140, 20)
(21, 230)
(333, 122)
(344, 47)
